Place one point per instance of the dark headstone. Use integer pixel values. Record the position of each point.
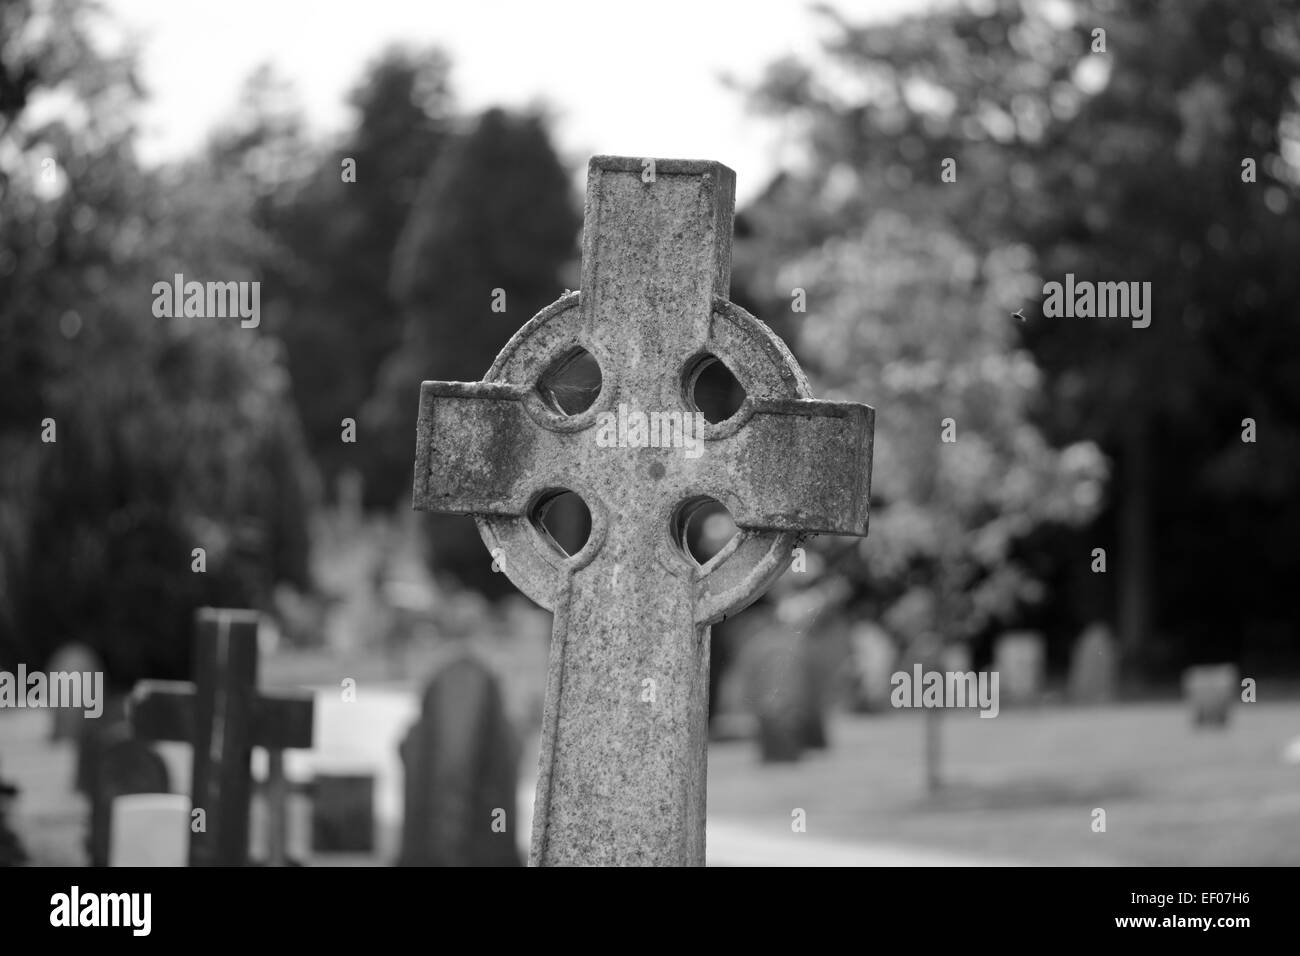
(343, 813)
(123, 765)
(782, 693)
(93, 736)
(461, 759)
(72, 658)
(11, 848)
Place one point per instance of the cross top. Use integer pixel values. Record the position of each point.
(622, 771)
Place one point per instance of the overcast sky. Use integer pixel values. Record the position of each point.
(638, 79)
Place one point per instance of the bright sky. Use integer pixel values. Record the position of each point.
(638, 79)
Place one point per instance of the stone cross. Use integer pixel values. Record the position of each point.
(224, 717)
(622, 770)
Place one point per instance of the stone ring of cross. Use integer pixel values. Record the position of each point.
(662, 483)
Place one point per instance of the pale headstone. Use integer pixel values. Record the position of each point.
(621, 778)
(1094, 666)
(461, 761)
(1211, 690)
(875, 658)
(1020, 659)
(150, 829)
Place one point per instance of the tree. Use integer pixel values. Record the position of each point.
(493, 224)
(169, 434)
(1123, 165)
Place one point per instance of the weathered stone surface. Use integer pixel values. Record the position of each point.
(622, 771)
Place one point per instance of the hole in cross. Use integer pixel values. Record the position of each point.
(571, 383)
(563, 520)
(712, 389)
(702, 527)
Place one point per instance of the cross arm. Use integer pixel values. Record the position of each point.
(797, 465)
(165, 710)
(474, 449)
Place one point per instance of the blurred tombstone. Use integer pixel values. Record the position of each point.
(460, 760)
(343, 812)
(93, 736)
(875, 658)
(124, 765)
(1094, 666)
(1019, 657)
(781, 695)
(1211, 690)
(11, 848)
(955, 658)
(150, 829)
(72, 658)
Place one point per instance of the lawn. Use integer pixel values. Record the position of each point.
(1022, 786)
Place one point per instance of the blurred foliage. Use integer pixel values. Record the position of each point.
(1123, 165)
(911, 309)
(495, 212)
(328, 275)
(172, 434)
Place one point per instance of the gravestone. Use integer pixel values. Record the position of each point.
(12, 852)
(124, 765)
(461, 760)
(1019, 657)
(622, 767)
(93, 736)
(875, 658)
(1211, 689)
(223, 716)
(956, 658)
(1094, 666)
(343, 813)
(150, 829)
(72, 658)
(779, 694)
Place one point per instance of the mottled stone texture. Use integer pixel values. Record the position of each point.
(622, 776)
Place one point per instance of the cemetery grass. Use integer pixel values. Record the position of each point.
(1021, 787)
